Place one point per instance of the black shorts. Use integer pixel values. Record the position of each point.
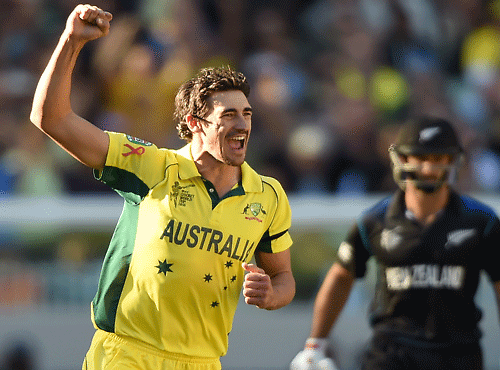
(386, 352)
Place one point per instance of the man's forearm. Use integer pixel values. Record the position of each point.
(330, 301)
(51, 101)
(284, 290)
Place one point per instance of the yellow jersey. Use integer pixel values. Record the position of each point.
(172, 274)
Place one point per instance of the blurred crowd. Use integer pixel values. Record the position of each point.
(331, 82)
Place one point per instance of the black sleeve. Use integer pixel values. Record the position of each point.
(352, 253)
(491, 249)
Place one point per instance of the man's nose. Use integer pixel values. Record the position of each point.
(241, 123)
(427, 167)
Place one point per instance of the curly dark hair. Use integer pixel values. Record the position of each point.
(193, 94)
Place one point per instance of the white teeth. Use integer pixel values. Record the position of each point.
(238, 138)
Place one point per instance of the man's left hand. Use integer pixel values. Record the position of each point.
(257, 287)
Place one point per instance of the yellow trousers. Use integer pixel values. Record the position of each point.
(109, 351)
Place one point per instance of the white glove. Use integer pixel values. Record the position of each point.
(313, 357)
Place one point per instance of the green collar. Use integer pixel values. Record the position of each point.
(251, 181)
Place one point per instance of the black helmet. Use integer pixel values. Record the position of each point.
(421, 136)
(427, 135)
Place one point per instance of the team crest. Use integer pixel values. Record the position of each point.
(253, 209)
(138, 141)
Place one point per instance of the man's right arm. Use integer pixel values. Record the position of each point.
(51, 111)
(329, 302)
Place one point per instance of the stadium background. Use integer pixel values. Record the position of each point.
(331, 82)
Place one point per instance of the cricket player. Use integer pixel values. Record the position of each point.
(430, 244)
(192, 221)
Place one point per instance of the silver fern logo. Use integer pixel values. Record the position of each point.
(457, 237)
(428, 133)
(390, 239)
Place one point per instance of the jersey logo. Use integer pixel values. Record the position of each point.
(253, 210)
(139, 150)
(180, 195)
(390, 239)
(455, 238)
(136, 140)
(428, 133)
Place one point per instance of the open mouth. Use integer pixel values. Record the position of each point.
(237, 142)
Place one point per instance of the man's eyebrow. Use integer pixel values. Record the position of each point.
(233, 110)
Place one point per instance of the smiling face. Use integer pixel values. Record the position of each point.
(226, 129)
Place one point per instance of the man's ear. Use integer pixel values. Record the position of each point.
(193, 123)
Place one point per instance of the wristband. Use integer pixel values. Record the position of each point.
(317, 344)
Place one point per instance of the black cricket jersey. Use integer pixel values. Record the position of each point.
(427, 276)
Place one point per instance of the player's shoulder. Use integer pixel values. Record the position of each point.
(471, 205)
(270, 181)
(378, 209)
(135, 154)
(141, 157)
(254, 182)
(272, 184)
(130, 146)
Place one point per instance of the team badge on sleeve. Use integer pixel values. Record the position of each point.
(345, 252)
(136, 140)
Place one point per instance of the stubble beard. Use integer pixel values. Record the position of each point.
(233, 163)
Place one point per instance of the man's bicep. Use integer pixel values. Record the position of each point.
(84, 141)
